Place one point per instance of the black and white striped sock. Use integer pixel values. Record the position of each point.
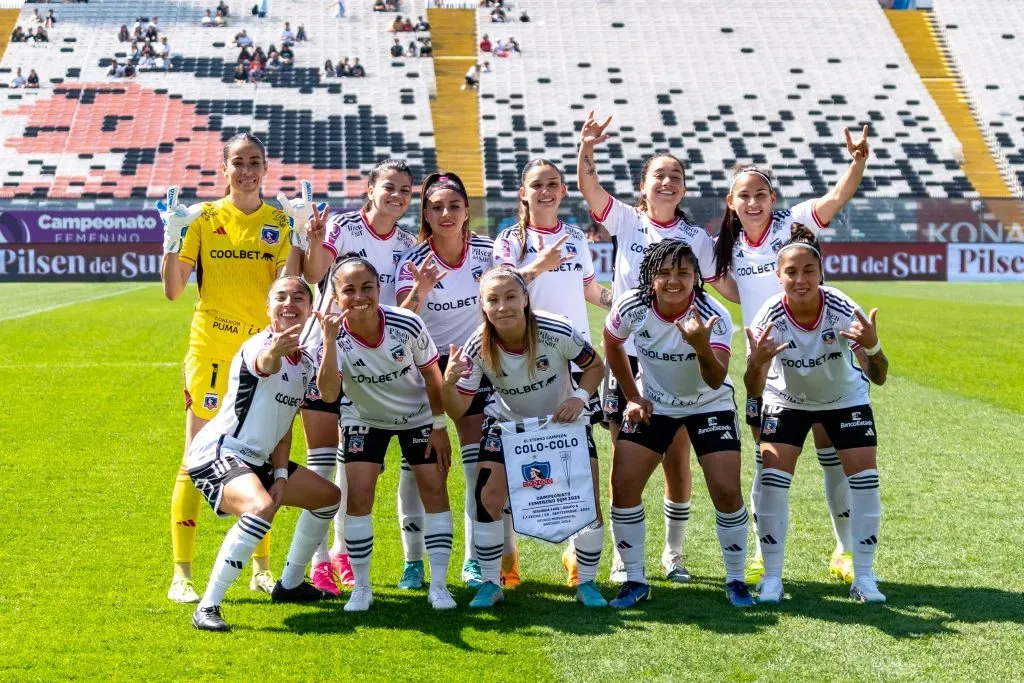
(359, 539)
(773, 519)
(731, 528)
(629, 528)
(235, 551)
(865, 520)
(437, 537)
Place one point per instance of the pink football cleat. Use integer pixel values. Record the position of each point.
(342, 569)
(323, 579)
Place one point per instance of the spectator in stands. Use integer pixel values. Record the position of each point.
(18, 35)
(357, 70)
(287, 56)
(147, 63)
(524, 17)
(19, 79)
(344, 68)
(164, 48)
(472, 78)
(413, 50)
(152, 30)
(407, 26)
(485, 44)
(300, 34)
(241, 72)
(397, 26)
(242, 39)
(36, 16)
(244, 55)
(393, 5)
(498, 15)
(287, 36)
(421, 25)
(501, 49)
(273, 60)
(206, 21)
(222, 8)
(513, 45)
(486, 69)
(50, 20)
(427, 49)
(396, 49)
(256, 71)
(380, 6)
(329, 69)
(33, 79)
(341, 8)
(221, 19)
(260, 55)
(41, 36)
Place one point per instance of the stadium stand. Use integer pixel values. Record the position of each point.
(84, 135)
(781, 101)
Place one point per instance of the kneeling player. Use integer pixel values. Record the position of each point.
(392, 388)
(230, 459)
(683, 345)
(802, 349)
(518, 350)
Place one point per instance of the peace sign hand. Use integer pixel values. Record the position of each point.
(427, 275)
(316, 228)
(592, 133)
(763, 348)
(858, 150)
(863, 330)
(696, 334)
(550, 257)
(459, 365)
(176, 218)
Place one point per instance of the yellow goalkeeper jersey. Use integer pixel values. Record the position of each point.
(236, 257)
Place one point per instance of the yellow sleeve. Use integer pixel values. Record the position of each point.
(192, 243)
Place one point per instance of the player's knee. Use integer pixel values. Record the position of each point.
(489, 499)
(261, 506)
(331, 495)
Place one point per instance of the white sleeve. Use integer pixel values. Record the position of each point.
(588, 263)
(614, 322)
(805, 214)
(470, 385)
(404, 281)
(721, 331)
(250, 352)
(424, 352)
(615, 216)
(704, 249)
(335, 240)
(507, 250)
(576, 348)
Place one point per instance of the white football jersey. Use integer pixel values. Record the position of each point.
(522, 390)
(258, 410)
(381, 378)
(635, 231)
(669, 374)
(556, 291)
(452, 310)
(818, 371)
(753, 264)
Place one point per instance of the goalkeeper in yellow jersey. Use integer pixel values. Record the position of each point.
(237, 246)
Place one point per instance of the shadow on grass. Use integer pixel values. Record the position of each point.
(913, 611)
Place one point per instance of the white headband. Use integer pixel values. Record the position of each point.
(755, 172)
(801, 245)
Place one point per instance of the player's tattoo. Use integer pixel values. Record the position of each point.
(606, 298)
(876, 367)
(414, 299)
(528, 276)
(589, 163)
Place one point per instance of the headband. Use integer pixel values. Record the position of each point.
(768, 180)
(802, 245)
(501, 271)
(446, 183)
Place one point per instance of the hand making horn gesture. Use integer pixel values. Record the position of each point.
(592, 133)
(550, 257)
(427, 275)
(763, 348)
(330, 323)
(459, 365)
(863, 330)
(858, 150)
(696, 333)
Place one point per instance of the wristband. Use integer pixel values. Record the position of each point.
(281, 473)
(582, 394)
(874, 349)
(440, 422)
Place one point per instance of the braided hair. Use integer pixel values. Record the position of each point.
(675, 252)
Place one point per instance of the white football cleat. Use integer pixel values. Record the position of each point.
(770, 590)
(183, 591)
(360, 599)
(865, 589)
(440, 598)
(618, 570)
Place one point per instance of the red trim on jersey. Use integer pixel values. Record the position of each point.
(401, 293)
(508, 350)
(604, 212)
(430, 362)
(764, 235)
(612, 333)
(545, 231)
(713, 278)
(373, 233)
(814, 215)
(449, 266)
(589, 279)
(663, 226)
(720, 345)
(363, 342)
(654, 307)
(294, 358)
(821, 312)
(330, 247)
(465, 392)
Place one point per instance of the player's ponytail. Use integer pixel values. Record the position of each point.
(519, 231)
(673, 251)
(731, 226)
(641, 202)
(433, 183)
(399, 165)
(489, 336)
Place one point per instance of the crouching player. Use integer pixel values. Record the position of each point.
(683, 343)
(230, 461)
(802, 349)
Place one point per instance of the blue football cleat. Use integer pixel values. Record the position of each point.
(738, 594)
(631, 593)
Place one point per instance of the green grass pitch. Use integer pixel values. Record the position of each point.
(91, 435)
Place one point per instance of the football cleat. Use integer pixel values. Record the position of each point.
(675, 570)
(183, 591)
(209, 619)
(262, 582)
(471, 575)
(323, 579)
(631, 593)
(589, 594)
(304, 592)
(770, 590)
(412, 576)
(865, 589)
(841, 567)
(738, 594)
(617, 574)
(360, 599)
(488, 595)
(755, 571)
(440, 598)
(341, 567)
(572, 571)
(510, 571)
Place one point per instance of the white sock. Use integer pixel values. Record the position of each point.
(865, 520)
(510, 532)
(676, 517)
(359, 539)
(588, 544)
(773, 519)
(235, 551)
(410, 514)
(309, 534)
(837, 494)
(470, 458)
(488, 540)
(437, 535)
(322, 461)
(341, 480)
(731, 528)
(755, 496)
(629, 529)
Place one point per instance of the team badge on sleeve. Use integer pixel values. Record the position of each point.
(270, 234)
(776, 245)
(570, 249)
(478, 273)
(211, 401)
(396, 257)
(719, 327)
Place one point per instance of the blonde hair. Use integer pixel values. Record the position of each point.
(489, 336)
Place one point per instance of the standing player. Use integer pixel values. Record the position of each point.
(684, 338)
(656, 217)
(526, 355)
(802, 349)
(555, 261)
(237, 246)
(752, 232)
(448, 251)
(392, 388)
(374, 233)
(230, 459)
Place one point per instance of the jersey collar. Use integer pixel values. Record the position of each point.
(792, 318)
(449, 266)
(654, 307)
(369, 228)
(663, 226)
(760, 240)
(545, 231)
(364, 342)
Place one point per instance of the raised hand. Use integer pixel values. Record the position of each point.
(299, 211)
(330, 324)
(858, 150)
(550, 257)
(316, 228)
(863, 330)
(638, 410)
(427, 275)
(286, 342)
(176, 218)
(459, 365)
(696, 333)
(592, 133)
(762, 347)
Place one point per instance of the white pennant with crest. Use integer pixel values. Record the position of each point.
(550, 487)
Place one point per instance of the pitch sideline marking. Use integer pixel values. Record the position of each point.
(47, 309)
